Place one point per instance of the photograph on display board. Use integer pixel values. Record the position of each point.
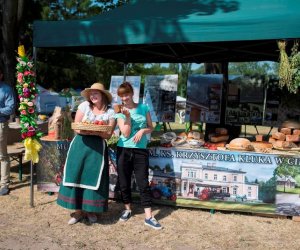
(245, 100)
(287, 105)
(50, 167)
(204, 95)
(116, 81)
(272, 105)
(160, 95)
(226, 180)
(180, 108)
(288, 188)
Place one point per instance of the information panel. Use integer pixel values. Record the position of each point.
(204, 95)
(116, 81)
(160, 95)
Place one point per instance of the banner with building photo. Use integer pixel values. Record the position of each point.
(204, 95)
(160, 95)
(226, 180)
(116, 81)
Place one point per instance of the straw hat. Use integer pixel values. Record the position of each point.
(96, 86)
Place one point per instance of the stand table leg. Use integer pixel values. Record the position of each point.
(31, 184)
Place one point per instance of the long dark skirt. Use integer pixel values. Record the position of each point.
(87, 199)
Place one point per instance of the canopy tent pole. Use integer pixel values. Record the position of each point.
(265, 103)
(31, 163)
(31, 184)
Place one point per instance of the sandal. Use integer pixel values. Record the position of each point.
(75, 218)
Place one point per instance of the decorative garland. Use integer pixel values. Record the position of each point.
(27, 93)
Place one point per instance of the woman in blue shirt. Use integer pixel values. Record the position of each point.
(134, 122)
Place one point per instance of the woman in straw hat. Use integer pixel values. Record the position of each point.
(86, 178)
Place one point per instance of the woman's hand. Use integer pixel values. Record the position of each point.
(125, 111)
(138, 136)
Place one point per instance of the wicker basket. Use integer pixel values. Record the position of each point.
(92, 127)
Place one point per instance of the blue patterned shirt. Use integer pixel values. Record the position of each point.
(7, 102)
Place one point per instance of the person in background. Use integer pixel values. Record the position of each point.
(85, 183)
(7, 108)
(134, 122)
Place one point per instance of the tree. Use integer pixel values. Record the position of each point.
(251, 68)
(168, 168)
(59, 69)
(186, 70)
(11, 17)
(285, 170)
(267, 190)
(199, 70)
(76, 9)
(297, 179)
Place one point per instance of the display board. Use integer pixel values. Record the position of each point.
(273, 102)
(160, 95)
(204, 95)
(50, 167)
(280, 105)
(245, 100)
(226, 180)
(116, 81)
(258, 100)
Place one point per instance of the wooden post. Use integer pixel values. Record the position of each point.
(31, 185)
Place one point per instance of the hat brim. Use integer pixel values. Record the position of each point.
(85, 93)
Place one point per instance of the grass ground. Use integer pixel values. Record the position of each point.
(288, 190)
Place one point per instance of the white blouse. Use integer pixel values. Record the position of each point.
(90, 116)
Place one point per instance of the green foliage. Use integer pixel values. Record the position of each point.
(27, 91)
(112, 142)
(168, 168)
(104, 69)
(75, 9)
(285, 169)
(251, 68)
(60, 69)
(297, 179)
(200, 70)
(295, 68)
(289, 67)
(186, 70)
(267, 190)
(157, 168)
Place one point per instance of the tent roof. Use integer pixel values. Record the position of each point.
(178, 31)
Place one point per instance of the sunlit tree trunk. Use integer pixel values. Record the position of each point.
(11, 17)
